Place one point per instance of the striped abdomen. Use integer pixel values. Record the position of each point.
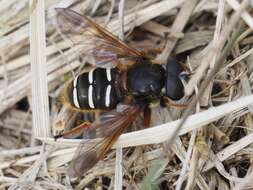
(94, 90)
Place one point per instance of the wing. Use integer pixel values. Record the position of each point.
(93, 39)
(110, 126)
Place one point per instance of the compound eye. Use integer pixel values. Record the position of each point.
(174, 88)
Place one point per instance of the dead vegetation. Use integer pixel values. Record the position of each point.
(211, 150)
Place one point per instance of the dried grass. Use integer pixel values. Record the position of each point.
(212, 149)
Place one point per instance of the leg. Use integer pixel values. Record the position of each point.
(153, 51)
(123, 66)
(147, 117)
(168, 103)
(181, 106)
(76, 130)
(185, 68)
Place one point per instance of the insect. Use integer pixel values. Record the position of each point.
(125, 81)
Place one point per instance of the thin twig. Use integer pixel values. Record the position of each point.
(177, 27)
(118, 177)
(191, 144)
(165, 131)
(40, 103)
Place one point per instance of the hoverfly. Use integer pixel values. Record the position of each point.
(127, 89)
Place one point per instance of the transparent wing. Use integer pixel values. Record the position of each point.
(92, 39)
(108, 127)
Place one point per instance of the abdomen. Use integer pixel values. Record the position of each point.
(94, 90)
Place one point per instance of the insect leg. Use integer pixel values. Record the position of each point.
(147, 117)
(152, 51)
(76, 130)
(168, 103)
